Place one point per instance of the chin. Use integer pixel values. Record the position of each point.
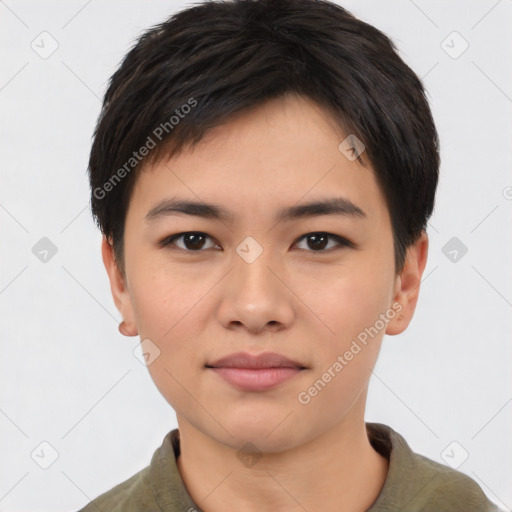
(266, 433)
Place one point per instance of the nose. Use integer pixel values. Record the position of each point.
(255, 296)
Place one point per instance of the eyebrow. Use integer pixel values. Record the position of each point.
(176, 206)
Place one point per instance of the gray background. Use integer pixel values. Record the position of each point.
(71, 381)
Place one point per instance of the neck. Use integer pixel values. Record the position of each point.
(338, 470)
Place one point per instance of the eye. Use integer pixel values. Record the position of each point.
(319, 241)
(193, 241)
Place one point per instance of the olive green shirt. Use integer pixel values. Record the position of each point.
(414, 483)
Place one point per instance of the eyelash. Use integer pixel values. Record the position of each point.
(343, 242)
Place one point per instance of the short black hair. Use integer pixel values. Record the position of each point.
(208, 61)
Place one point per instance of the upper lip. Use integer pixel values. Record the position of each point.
(246, 360)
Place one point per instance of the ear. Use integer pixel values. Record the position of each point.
(120, 292)
(407, 285)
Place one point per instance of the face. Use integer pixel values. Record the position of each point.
(307, 287)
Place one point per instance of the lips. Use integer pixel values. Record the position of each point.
(255, 373)
(245, 360)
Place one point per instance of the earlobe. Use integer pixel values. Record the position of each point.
(407, 285)
(120, 292)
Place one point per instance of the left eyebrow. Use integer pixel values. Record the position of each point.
(176, 206)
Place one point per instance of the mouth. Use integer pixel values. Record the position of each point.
(256, 373)
(255, 362)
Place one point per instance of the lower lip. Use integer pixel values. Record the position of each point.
(256, 380)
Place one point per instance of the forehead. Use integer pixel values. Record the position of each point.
(283, 152)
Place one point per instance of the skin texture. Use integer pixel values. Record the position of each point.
(308, 305)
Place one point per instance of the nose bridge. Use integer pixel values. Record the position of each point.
(251, 265)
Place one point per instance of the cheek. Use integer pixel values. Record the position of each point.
(169, 312)
(351, 306)
(165, 297)
(351, 300)
(169, 308)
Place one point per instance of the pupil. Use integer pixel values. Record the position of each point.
(193, 239)
(319, 241)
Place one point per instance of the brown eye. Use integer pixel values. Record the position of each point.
(319, 241)
(192, 241)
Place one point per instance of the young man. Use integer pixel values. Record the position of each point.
(263, 173)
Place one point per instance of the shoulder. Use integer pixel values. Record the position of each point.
(158, 486)
(420, 484)
(127, 496)
(449, 490)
